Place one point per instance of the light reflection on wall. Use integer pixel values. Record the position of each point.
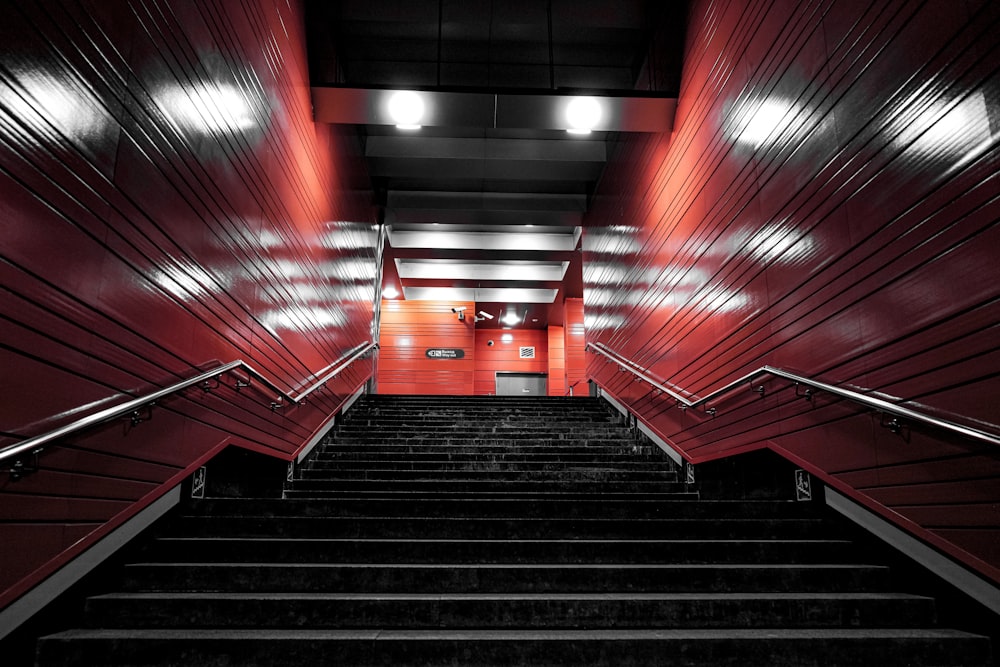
(942, 127)
(346, 269)
(349, 236)
(774, 242)
(188, 283)
(617, 240)
(613, 273)
(303, 318)
(726, 301)
(752, 124)
(607, 296)
(208, 109)
(602, 321)
(357, 270)
(42, 99)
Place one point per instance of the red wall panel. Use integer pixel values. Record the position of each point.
(504, 356)
(557, 361)
(828, 202)
(574, 347)
(168, 206)
(408, 330)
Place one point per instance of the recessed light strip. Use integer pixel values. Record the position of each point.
(434, 269)
(481, 295)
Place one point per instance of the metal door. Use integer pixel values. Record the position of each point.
(522, 384)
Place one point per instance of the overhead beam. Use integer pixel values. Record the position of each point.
(481, 295)
(484, 201)
(492, 241)
(461, 216)
(555, 174)
(454, 269)
(369, 106)
(449, 148)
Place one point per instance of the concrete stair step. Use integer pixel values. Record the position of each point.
(626, 509)
(474, 428)
(479, 496)
(284, 525)
(624, 648)
(404, 443)
(332, 472)
(549, 610)
(487, 551)
(448, 577)
(553, 465)
(485, 458)
(492, 486)
(493, 531)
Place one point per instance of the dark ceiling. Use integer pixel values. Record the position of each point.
(489, 208)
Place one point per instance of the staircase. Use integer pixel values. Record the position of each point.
(494, 531)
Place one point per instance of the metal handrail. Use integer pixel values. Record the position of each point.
(877, 404)
(36, 443)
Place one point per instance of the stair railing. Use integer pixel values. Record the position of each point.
(686, 400)
(34, 445)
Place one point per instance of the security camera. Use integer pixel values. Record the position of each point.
(458, 309)
(486, 316)
(490, 343)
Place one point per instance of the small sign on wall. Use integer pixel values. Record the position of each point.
(803, 485)
(444, 353)
(198, 482)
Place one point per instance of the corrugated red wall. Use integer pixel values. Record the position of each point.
(504, 356)
(167, 205)
(410, 328)
(827, 203)
(557, 361)
(574, 346)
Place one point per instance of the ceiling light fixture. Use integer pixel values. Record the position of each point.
(406, 109)
(583, 114)
(389, 292)
(511, 318)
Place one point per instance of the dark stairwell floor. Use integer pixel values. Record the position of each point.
(491, 531)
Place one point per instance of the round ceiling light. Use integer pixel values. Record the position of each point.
(406, 109)
(583, 114)
(511, 318)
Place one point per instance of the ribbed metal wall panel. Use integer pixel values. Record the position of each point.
(168, 205)
(557, 361)
(828, 203)
(408, 330)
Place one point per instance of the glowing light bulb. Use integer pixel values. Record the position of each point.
(583, 114)
(406, 109)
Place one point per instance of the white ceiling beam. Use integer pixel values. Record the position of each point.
(447, 269)
(481, 294)
(512, 240)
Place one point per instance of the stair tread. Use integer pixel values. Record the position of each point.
(518, 634)
(501, 532)
(629, 595)
(445, 540)
(518, 566)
